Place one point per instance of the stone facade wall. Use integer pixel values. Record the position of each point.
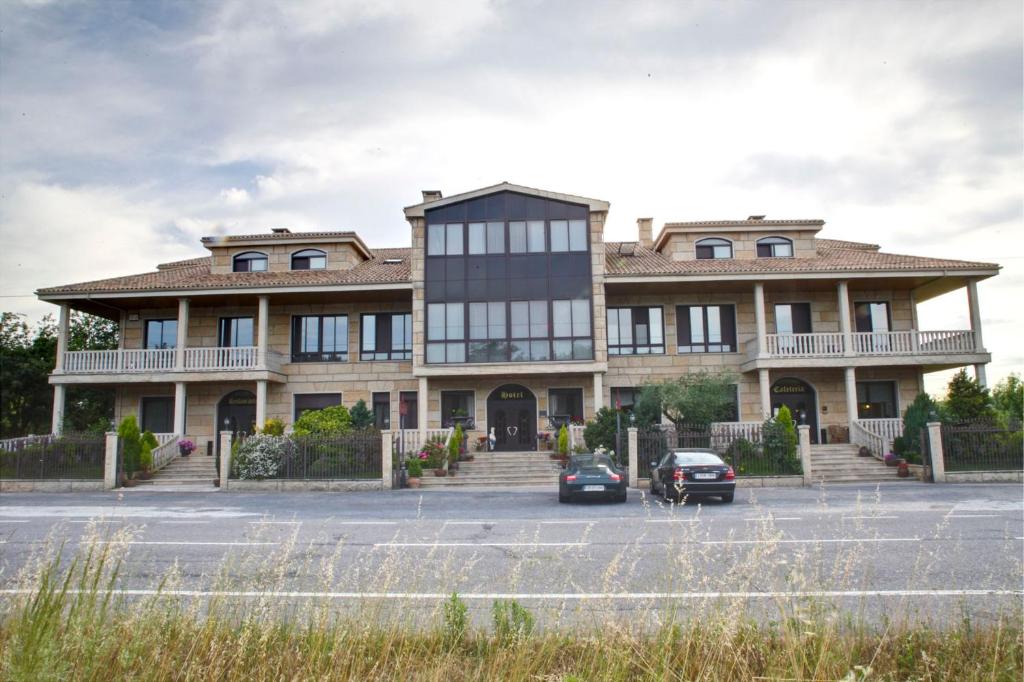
(682, 245)
(340, 255)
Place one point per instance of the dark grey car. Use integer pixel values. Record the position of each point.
(591, 476)
(692, 472)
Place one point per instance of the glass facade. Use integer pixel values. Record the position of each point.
(508, 279)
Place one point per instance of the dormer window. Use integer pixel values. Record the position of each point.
(250, 261)
(309, 259)
(774, 247)
(714, 248)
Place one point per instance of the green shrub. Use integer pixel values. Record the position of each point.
(779, 440)
(273, 427)
(131, 443)
(455, 445)
(325, 467)
(362, 417)
(563, 441)
(600, 432)
(330, 421)
(258, 456)
(512, 622)
(916, 417)
(414, 467)
(456, 621)
(435, 454)
(149, 439)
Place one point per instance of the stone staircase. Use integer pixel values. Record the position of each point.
(839, 463)
(192, 470)
(504, 469)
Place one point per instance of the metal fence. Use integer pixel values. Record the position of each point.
(354, 456)
(982, 446)
(69, 456)
(750, 454)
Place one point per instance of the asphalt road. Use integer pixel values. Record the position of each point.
(881, 551)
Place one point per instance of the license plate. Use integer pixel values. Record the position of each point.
(704, 477)
(593, 488)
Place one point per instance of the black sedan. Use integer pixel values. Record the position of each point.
(591, 476)
(692, 472)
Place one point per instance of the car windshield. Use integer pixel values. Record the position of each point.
(686, 458)
(593, 461)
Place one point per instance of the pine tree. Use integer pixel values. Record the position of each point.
(966, 399)
(360, 415)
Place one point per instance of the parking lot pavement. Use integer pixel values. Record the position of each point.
(935, 550)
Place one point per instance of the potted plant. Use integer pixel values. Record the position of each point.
(414, 470)
(544, 440)
(892, 460)
(903, 469)
(864, 451)
(185, 447)
(481, 444)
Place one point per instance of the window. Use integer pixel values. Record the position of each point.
(457, 405)
(568, 235)
(408, 410)
(236, 332)
(774, 247)
(565, 406)
(793, 318)
(487, 332)
(445, 240)
(382, 410)
(486, 238)
(309, 259)
(320, 338)
(526, 237)
(386, 336)
(714, 247)
(446, 323)
(706, 328)
(158, 414)
(876, 400)
(529, 319)
(571, 330)
(250, 261)
(872, 316)
(160, 334)
(305, 402)
(635, 331)
(625, 398)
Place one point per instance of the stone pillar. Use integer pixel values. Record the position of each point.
(262, 334)
(182, 338)
(225, 458)
(63, 323)
(843, 295)
(804, 440)
(979, 374)
(422, 407)
(179, 408)
(261, 404)
(759, 316)
(851, 397)
(634, 460)
(57, 423)
(972, 302)
(110, 462)
(935, 445)
(598, 391)
(765, 386)
(386, 450)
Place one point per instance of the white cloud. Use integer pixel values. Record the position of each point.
(235, 196)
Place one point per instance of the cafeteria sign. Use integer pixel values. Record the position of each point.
(789, 386)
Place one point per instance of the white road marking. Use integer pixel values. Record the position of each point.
(575, 521)
(845, 518)
(773, 518)
(671, 520)
(13, 520)
(971, 516)
(565, 596)
(365, 523)
(480, 544)
(290, 523)
(165, 521)
(190, 542)
(470, 523)
(122, 511)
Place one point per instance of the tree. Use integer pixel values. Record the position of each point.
(131, 443)
(563, 441)
(779, 439)
(362, 417)
(326, 423)
(601, 431)
(966, 399)
(647, 408)
(917, 416)
(1008, 398)
(697, 398)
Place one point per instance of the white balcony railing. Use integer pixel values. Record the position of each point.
(831, 344)
(805, 345)
(137, 361)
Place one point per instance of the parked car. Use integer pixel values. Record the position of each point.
(692, 472)
(591, 476)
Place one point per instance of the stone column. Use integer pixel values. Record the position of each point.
(634, 459)
(110, 462)
(764, 385)
(225, 458)
(57, 423)
(262, 334)
(422, 408)
(979, 374)
(63, 322)
(179, 408)
(386, 446)
(972, 302)
(598, 391)
(843, 295)
(935, 445)
(261, 403)
(851, 397)
(804, 440)
(182, 338)
(759, 317)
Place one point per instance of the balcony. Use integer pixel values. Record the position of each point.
(194, 364)
(870, 348)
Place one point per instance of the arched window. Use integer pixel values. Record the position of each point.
(774, 247)
(714, 247)
(309, 259)
(250, 261)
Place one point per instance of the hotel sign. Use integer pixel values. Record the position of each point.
(512, 395)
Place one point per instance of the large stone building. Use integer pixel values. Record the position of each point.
(510, 311)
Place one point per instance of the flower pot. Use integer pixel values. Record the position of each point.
(440, 473)
(864, 452)
(903, 470)
(413, 482)
(130, 483)
(144, 475)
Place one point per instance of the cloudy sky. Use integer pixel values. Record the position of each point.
(130, 129)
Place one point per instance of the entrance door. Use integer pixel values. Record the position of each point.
(512, 413)
(799, 397)
(236, 412)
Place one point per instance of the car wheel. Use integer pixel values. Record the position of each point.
(727, 498)
(621, 498)
(562, 497)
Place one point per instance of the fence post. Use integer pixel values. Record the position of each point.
(935, 446)
(804, 437)
(225, 458)
(110, 462)
(386, 443)
(634, 460)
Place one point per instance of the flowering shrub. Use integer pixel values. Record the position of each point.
(186, 446)
(432, 454)
(258, 457)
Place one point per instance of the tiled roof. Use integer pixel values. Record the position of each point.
(195, 274)
(756, 223)
(270, 236)
(833, 256)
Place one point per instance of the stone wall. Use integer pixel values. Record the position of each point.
(340, 255)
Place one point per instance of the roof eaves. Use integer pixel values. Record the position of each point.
(419, 210)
